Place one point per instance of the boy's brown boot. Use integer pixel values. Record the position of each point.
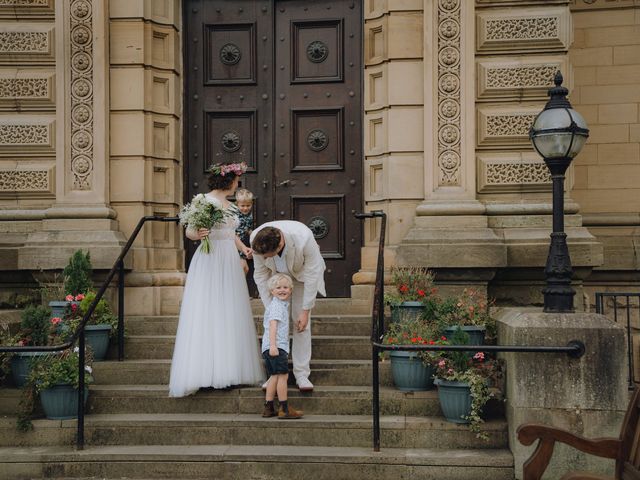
(268, 411)
(293, 413)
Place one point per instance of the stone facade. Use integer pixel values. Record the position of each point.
(91, 139)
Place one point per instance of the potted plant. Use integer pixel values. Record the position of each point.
(409, 370)
(35, 328)
(76, 282)
(463, 385)
(55, 378)
(412, 293)
(470, 313)
(101, 325)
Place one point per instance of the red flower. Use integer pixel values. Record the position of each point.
(74, 307)
(443, 338)
(80, 297)
(414, 340)
(421, 293)
(403, 288)
(56, 320)
(431, 342)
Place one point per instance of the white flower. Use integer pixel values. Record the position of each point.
(76, 349)
(88, 368)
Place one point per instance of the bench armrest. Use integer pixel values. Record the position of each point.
(535, 466)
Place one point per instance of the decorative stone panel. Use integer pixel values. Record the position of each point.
(27, 181)
(27, 42)
(449, 85)
(26, 88)
(82, 108)
(601, 4)
(506, 126)
(26, 135)
(512, 172)
(375, 41)
(508, 30)
(10, 9)
(518, 78)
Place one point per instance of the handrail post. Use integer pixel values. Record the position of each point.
(377, 325)
(81, 387)
(121, 274)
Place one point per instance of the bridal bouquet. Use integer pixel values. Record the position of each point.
(201, 214)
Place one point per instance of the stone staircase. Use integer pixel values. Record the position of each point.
(134, 430)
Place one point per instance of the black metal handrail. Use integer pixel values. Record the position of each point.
(79, 333)
(574, 349)
(600, 308)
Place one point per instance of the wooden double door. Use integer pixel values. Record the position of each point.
(278, 84)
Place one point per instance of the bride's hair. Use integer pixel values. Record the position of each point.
(267, 240)
(215, 181)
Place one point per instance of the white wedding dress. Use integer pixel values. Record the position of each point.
(216, 342)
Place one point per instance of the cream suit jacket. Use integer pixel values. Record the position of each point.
(303, 258)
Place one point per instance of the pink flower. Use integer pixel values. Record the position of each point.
(450, 371)
(21, 343)
(479, 356)
(74, 307)
(79, 297)
(442, 363)
(56, 320)
(69, 298)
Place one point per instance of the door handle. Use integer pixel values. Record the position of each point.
(284, 183)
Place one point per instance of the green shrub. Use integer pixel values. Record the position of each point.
(77, 274)
(35, 325)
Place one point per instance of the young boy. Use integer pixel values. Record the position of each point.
(275, 347)
(244, 202)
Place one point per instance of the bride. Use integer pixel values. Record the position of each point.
(216, 343)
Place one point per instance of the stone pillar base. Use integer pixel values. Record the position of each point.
(587, 396)
(154, 293)
(51, 247)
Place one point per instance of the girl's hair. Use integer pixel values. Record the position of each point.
(216, 181)
(275, 279)
(267, 240)
(243, 195)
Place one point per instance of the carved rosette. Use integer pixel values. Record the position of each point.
(81, 45)
(449, 128)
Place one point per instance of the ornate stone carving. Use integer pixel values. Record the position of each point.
(539, 28)
(24, 88)
(25, 42)
(509, 125)
(81, 50)
(16, 181)
(24, 3)
(518, 77)
(449, 128)
(513, 172)
(12, 134)
(598, 4)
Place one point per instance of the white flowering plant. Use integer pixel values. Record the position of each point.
(200, 213)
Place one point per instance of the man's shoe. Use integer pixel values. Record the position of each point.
(268, 412)
(293, 414)
(304, 385)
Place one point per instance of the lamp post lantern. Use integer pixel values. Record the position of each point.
(558, 134)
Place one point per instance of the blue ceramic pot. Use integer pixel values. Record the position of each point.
(409, 372)
(60, 402)
(97, 337)
(455, 400)
(406, 311)
(21, 366)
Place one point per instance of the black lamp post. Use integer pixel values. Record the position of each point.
(558, 134)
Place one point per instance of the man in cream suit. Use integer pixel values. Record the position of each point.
(287, 246)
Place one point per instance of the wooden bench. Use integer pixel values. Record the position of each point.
(625, 449)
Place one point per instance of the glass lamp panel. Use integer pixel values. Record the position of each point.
(553, 145)
(578, 143)
(551, 119)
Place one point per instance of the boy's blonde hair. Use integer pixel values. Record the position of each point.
(275, 279)
(243, 195)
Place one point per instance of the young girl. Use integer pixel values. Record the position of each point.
(216, 337)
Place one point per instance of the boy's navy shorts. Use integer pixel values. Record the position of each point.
(276, 365)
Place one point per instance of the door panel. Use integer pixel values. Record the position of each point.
(277, 84)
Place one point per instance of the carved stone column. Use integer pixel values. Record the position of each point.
(81, 217)
(450, 232)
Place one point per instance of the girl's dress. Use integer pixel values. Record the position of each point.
(216, 342)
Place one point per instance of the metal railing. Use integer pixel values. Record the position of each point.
(574, 349)
(601, 305)
(79, 334)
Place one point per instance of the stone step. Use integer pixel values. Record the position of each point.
(324, 347)
(254, 462)
(246, 429)
(156, 372)
(320, 325)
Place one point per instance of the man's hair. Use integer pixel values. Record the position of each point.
(267, 240)
(243, 195)
(276, 278)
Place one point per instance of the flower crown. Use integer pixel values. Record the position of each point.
(222, 168)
